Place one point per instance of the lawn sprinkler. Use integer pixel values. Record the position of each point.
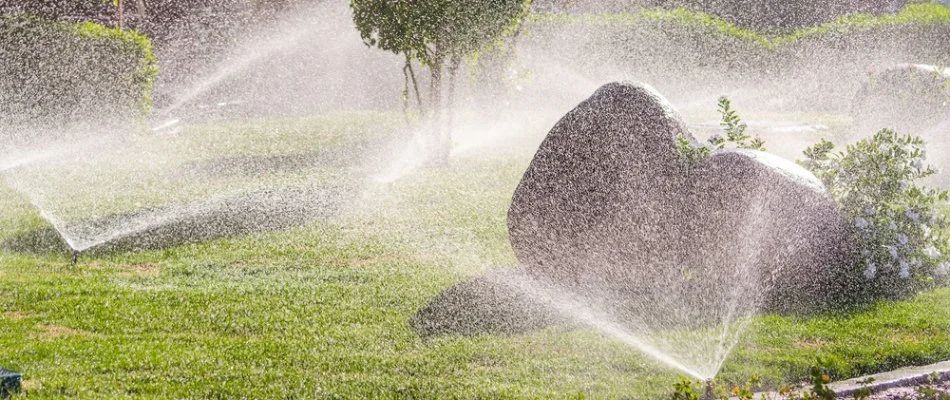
(9, 383)
(710, 390)
(75, 258)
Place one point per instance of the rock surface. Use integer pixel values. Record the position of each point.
(608, 206)
(610, 212)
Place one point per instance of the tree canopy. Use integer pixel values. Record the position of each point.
(434, 30)
(437, 33)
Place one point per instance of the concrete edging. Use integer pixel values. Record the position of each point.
(901, 377)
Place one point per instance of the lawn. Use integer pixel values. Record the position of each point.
(320, 310)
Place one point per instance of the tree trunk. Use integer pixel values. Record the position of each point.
(140, 10)
(445, 141)
(119, 16)
(410, 77)
(435, 112)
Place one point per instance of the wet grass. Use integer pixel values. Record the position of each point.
(320, 311)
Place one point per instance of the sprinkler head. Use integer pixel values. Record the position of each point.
(710, 390)
(75, 257)
(9, 383)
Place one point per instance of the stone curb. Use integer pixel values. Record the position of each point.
(908, 376)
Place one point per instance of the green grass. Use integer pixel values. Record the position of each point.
(321, 311)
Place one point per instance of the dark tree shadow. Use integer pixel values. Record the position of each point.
(483, 305)
(42, 241)
(161, 228)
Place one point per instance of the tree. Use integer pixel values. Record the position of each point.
(439, 34)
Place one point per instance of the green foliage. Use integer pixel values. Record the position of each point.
(913, 15)
(56, 72)
(677, 17)
(929, 393)
(435, 30)
(900, 237)
(865, 391)
(322, 309)
(819, 380)
(734, 129)
(679, 39)
(687, 43)
(683, 390)
(897, 229)
(735, 136)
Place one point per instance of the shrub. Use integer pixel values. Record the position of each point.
(829, 63)
(772, 15)
(648, 43)
(55, 73)
(919, 33)
(101, 11)
(821, 67)
(900, 237)
(909, 97)
(735, 137)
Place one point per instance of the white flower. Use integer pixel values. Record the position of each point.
(943, 269)
(861, 223)
(905, 270)
(902, 239)
(871, 271)
(926, 230)
(914, 216)
(932, 252)
(893, 252)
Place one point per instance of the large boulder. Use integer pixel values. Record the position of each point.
(609, 171)
(765, 226)
(609, 208)
(609, 214)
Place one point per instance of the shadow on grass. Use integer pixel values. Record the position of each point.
(167, 227)
(483, 306)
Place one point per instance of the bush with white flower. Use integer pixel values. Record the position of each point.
(899, 234)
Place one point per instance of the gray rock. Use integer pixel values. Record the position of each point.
(607, 207)
(603, 187)
(771, 223)
(610, 213)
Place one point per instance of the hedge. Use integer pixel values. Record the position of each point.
(681, 47)
(648, 46)
(56, 73)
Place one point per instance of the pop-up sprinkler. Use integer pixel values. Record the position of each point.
(710, 390)
(75, 257)
(9, 383)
